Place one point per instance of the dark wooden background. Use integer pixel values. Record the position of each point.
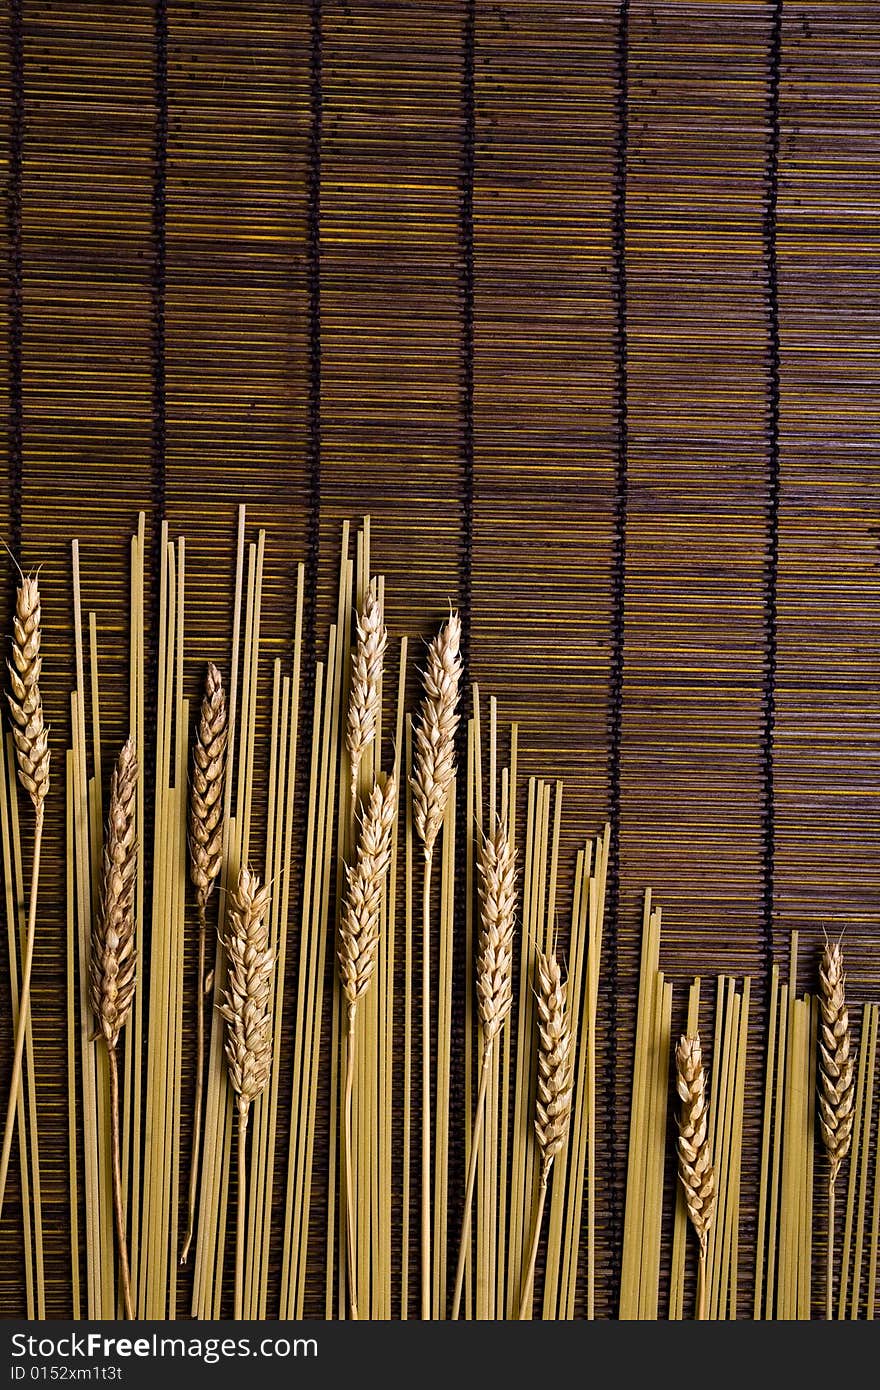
(580, 302)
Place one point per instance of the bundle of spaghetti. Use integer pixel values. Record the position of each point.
(501, 1064)
(680, 1221)
(132, 1115)
(538, 925)
(784, 1263)
(316, 929)
(389, 1070)
(434, 783)
(353, 579)
(442, 1055)
(640, 1270)
(27, 746)
(487, 1170)
(26, 1104)
(874, 1242)
(347, 792)
(727, 1096)
(861, 1278)
(406, 1157)
(372, 1103)
(157, 1274)
(564, 1238)
(87, 818)
(766, 1144)
(240, 748)
(487, 1220)
(261, 1183)
(792, 1276)
(473, 828)
(566, 1160)
(374, 1079)
(852, 1255)
(84, 835)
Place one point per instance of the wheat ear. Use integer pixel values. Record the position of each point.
(434, 762)
(835, 1086)
(497, 889)
(358, 940)
(113, 964)
(553, 1100)
(695, 1168)
(246, 1007)
(31, 735)
(205, 859)
(366, 678)
(433, 771)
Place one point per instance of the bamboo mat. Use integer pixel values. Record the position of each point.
(579, 302)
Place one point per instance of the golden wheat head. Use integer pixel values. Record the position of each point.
(359, 923)
(206, 789)
(434, 759)
(553, 1101)
(25, 702)
(113, 957)
(836, 1089)
(695, 1168)
(366, 679)
(497, 889)
(247, 999)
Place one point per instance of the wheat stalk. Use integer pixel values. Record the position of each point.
(433, 771)
(205, 860)
(366, 678)
(497, 890)
(554, 1091)
(358, 940)
(113, 963)
(836, 1090)
(31, 735)
(246, 1007)
(695, 1169)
